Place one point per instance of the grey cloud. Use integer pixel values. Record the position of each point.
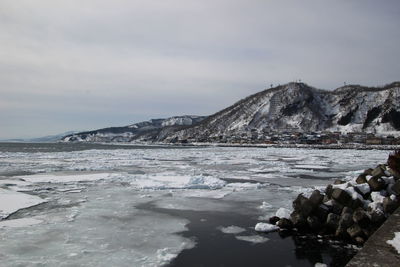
(101, 62)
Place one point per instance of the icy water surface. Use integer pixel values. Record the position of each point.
(108, 205)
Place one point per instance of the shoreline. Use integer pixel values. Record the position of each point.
(354, 146)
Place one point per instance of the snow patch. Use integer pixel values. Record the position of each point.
(395, 242)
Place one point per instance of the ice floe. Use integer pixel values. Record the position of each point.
(23, 222)
(266, 227)
(232, 229)
(256, 239)
(11, 201)
(283, 213)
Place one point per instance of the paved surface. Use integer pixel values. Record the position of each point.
(376, 252)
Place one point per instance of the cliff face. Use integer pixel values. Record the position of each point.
(299, 107)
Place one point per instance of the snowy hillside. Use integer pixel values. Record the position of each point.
(293, 107)
(299, 107)
(142, 131)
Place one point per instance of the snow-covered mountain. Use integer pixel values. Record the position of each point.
(285, 108)
(143, 131)
(299, 107)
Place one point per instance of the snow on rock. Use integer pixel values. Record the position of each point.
(377, 197)
(395, 242)
(376, 206)
(283, 213)
(266, 227)
(341, 186)
(232, 229)
(363, 188)
(318, 264)
(256, 239)
(354, 195)
(11, 201)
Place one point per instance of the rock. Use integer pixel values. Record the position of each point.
(341, 232)
(367, 232)
(329, 190)
(363, 189)
(389, 205)
(299, 221)
(274, 220)
(316, 198)
(361, 179)
(321, 212)
(332, 221)
(313, 222)
(338, 181)
(356, 203)
(346, 220)
(378, 171)
(368, 171)
(347, 210)
(341, 196)
(360, 217)
(395, 174)
(359, 240)
(376, 183)
(396, 188)
(334, 206)
(302, 205)
(354, 231)
(377, 217)
(285, 224)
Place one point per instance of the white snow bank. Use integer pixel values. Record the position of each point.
(232, 229)
(283, 213)
(395, 242)
(266, 227)
(11, 201)
(256, 239)
(23, 222)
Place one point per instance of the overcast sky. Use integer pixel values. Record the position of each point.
(87, 64)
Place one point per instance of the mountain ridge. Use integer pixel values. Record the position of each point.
(295, 107)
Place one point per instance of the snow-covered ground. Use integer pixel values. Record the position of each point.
(93, 201)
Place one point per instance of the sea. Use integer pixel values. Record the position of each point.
(80, 204)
